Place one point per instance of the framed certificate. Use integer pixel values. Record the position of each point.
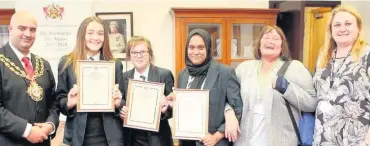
(143, 102)
(190, 114)
(95, 80)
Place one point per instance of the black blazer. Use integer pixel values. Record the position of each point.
(17, 108)
(223, 88)
(75, 125)
(164, 136)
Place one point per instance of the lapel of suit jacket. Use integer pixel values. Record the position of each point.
(183, 80)
(153, 74)
(130, 75)
(33, 61)
(212, 75)
(13, 57)
(101, 56)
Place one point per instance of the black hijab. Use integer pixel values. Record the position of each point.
(199, 72)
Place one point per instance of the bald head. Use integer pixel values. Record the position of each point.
(22, 31)
(21, 16)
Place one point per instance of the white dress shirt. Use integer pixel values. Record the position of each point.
(144, 74)
(20, 56)
(191, 79)
(95, 57)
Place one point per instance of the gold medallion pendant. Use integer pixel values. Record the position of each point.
(35, 91)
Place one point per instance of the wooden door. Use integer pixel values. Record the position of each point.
(315, 25)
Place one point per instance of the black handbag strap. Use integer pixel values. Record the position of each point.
(283, 68)
(281, 72)
(293, 120)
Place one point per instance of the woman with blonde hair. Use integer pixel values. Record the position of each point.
(342, 82)
(93, 128)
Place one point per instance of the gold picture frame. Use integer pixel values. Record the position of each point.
(143, 102)
(95, 80)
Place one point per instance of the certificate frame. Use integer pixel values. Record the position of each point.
(202, 99)
(95, 70)
(151, 122)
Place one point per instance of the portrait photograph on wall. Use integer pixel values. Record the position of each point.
(120, 26)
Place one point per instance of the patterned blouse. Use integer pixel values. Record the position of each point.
(343, 111)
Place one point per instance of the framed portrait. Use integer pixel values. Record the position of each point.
(120, 26)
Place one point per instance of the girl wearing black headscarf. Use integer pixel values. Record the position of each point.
(203, 72)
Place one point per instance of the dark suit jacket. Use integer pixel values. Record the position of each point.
(75, 125)
(16, 106)
(223, 88)
(164, 136)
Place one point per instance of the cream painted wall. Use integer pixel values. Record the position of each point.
(153, 19)
(7, 5)
(363, 8)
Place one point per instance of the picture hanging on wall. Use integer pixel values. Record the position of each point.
(120, 26)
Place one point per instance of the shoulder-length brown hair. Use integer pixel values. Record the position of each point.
(329, 44)
(79, 52)
(284, 54)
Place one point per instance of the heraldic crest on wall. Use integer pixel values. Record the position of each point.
(53, 11)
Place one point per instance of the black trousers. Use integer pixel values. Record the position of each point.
(94, 133)
(139, 138)
(187, 143)
(223, 142)
(95, 141)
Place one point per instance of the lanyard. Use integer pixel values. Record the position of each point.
(335, 74)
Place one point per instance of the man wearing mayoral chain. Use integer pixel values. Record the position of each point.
(28, 113)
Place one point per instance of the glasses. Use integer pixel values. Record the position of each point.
(142, 53)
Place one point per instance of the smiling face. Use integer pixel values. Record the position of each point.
(271, 44)
(22, 31)
(197, 51)
(94, 37)
(344, 28)
(140, 56)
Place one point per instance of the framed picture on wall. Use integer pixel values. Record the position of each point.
(120, 26)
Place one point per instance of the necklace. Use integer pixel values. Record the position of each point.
(335, 74)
